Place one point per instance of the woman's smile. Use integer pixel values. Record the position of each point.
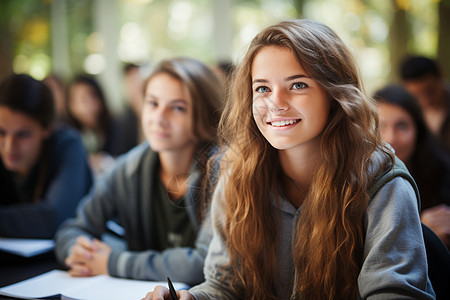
(283, 123)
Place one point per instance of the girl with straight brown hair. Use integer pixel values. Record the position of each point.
(154, 191)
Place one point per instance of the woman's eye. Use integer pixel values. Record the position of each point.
(179, 108)
(24, 134)
(262, 89)
(403, 126)
(299, 86)
(152, 103)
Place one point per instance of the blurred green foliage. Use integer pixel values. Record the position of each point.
(380, 32)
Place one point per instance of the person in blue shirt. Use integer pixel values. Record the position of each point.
(43, 169)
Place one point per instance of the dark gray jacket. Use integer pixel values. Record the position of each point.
(125, 194)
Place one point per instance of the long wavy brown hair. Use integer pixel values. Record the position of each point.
(328, 242)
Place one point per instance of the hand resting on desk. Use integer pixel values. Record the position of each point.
(162, 293)
(438, 219)
(88, 257)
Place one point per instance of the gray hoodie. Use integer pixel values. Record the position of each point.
(394, 266)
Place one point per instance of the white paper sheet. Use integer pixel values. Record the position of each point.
(86, 288)
(26, 247)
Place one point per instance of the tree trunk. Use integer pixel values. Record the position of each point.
(298, 4)
(399, 35)
(6, 57)
(444, 37)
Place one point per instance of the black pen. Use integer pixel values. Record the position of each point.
(173, 294)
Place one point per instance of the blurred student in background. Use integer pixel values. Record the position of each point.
(423, 78)
(88, 112)
(130, 132)
(43, 170)
(154, 191)
(58, 89)
(224, 69)
(402, 126)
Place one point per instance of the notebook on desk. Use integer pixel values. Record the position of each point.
(58, 284)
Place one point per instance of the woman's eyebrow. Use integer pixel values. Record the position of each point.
(150, 95)
(177, 101)
(295, 77)
(259, 81)
(286, 79)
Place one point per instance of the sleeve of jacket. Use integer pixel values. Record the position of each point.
(180, 264)
(94, 210)
(69, 184)
(395, 264)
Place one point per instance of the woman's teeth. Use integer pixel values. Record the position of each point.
(283, 123)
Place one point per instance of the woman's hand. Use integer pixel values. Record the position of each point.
(438, 219)
(88, 258)
(163, 293)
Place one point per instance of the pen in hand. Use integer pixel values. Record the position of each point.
(173, 294)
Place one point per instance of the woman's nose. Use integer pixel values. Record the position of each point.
(161, 115)
(278, 102)
(8, 143)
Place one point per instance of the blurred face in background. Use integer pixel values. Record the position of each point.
(398, 129)
(133, 87)
(167, 114)
(84, 105)
(428, 90)
(21, 139)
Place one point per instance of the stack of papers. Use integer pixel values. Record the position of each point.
(26, 247)
(60, 285)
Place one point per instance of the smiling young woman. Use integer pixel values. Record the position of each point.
(309, 204)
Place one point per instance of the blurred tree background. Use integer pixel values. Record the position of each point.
(66, 37)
